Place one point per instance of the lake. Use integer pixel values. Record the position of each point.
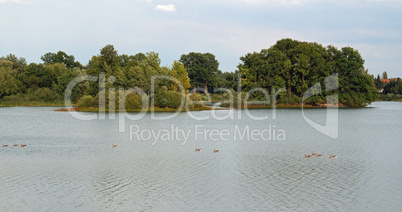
(70, 164)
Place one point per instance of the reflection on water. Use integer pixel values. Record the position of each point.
(70, 164)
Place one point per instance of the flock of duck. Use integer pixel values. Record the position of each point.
(319, 155)
(216, 151)
(21, 145)
(196, 149)
(199, 150)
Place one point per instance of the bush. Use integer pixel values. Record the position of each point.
(85, 101)
(104, 98)
(290, 100)
(13, 99)
(170, 99)
(46, 94)
(133, 101)
(236, 95)
(192, 100)
(195, 97)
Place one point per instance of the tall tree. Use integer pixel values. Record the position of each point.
(60, 57)
(179, 72)
(201, 68)
(18, 64)
(8, 84)
(300, 65)
(384, 75)
(109, 56)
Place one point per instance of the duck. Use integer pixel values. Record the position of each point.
(4, 145)
(23, 145)
(15, 144)
(197, 150)
(318, 155)
(314, 154)
(333, 156)
(307, 156)
(216, 151)
(113, 145)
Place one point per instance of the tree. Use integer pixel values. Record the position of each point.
(60, 57)
(18, 64)
(108, 62)
(8, 84)
(378, 83)
(109, 56)
(298, 66)
(384, 75)
(201, 68)
(179, 72)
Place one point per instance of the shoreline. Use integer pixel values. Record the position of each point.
(157, 109)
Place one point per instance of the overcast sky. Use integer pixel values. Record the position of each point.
(227, 28)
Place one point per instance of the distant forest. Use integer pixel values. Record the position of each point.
(293, 65)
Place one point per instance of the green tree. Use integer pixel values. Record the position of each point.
(109, 56)
(60, 57)
(8, 84)
(179, 72)
(298, 66)
(18, 64)
(384, 75)
(201, 68)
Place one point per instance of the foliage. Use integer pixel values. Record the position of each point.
(394, 86)
(179, 72)
(293, 65)
(201, 68)
(46, 94)
(134, 101)
(298, 66)
(8, 84)
(60, 57)
(85, 101)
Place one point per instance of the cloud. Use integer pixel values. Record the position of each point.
(296, 2)
(275, 1)
(166, 8)
(11, 1)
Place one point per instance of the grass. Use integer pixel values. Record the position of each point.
(389, 97)
(156, 109)
(33, 104)
(287, 106)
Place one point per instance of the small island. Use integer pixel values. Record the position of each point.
(289, 74)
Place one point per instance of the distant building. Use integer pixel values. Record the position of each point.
(386, 81)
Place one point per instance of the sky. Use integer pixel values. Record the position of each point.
(228, 29)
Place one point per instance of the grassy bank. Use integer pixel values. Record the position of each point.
(31, 100)
(156, 109)
(389, 97)
(296, 106)
(33, 104)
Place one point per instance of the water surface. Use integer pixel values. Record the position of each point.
(69, 164)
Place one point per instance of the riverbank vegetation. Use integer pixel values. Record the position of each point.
(287, 71)
(390, 89)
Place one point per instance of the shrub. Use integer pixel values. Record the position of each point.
(165, 98)
(46, 94)
(85, 101)
(133, 101)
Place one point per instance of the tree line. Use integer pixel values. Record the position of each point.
(290, 64)
(298, 66)
(388, 86)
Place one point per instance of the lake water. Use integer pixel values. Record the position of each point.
(70, 165)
